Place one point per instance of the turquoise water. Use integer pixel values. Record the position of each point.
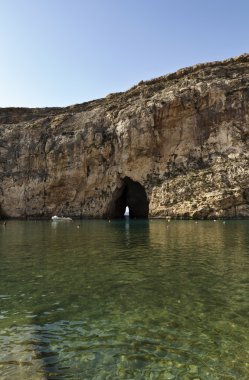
(124, 300)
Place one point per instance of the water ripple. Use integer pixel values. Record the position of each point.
(144, 300)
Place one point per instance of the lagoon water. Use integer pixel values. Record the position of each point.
(124, 300)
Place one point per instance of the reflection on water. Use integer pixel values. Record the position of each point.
(124, 300)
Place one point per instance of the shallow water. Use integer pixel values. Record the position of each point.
(124, 300)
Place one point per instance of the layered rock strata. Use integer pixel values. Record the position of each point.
(182, 139)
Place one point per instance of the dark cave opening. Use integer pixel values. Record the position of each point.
(132, 195)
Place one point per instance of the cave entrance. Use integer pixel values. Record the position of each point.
(131, 195)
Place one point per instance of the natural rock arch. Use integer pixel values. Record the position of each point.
(133, 195)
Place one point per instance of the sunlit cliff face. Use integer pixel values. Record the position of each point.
(173, 146)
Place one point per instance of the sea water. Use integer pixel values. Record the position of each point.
(141, 299)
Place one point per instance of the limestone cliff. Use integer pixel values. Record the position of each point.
(172, 146)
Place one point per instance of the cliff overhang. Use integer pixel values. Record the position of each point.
(174, 146)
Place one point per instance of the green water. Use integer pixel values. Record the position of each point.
(124, 300)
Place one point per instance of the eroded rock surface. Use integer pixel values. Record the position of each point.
(183, 137)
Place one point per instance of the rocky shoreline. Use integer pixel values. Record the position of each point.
(175, 146)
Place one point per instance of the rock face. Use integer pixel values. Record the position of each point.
(172, 146)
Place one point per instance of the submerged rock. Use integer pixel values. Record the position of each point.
(172, 146)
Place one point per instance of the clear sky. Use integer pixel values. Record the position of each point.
(61, 52)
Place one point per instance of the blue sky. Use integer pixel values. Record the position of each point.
(62, 52)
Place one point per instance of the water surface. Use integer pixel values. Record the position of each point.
(124, 300)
